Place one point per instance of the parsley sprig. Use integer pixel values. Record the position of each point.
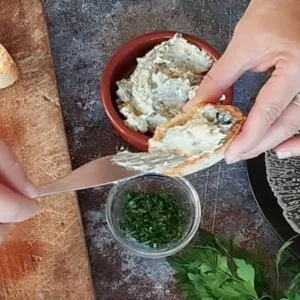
(215, 269)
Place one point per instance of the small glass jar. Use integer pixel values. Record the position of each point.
(180, 188)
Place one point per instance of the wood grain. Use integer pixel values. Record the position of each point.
(45, 257)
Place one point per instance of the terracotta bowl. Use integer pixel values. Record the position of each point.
(122, 64)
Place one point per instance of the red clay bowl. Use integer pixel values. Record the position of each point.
(122, 64)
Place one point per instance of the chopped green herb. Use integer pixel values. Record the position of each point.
(154, 219)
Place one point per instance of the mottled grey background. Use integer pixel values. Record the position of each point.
(83, 35)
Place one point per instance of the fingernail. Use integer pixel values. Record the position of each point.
(232, 159)
(31, 191)
(284, 154)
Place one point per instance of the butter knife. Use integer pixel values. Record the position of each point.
(109, 169)
(98, 172)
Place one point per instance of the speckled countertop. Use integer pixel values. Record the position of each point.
(83, 35)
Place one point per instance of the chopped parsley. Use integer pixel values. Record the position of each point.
(154, 219)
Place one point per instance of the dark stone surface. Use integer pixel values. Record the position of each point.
(83, 35)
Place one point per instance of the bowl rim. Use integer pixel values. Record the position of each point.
(133, 137)
(157, 253)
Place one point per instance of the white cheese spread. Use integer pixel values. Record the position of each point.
(203, 134)
(164, 79)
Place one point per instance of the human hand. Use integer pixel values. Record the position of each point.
(267, 36)
(15, 191)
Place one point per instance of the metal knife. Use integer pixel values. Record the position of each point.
(95, 173)
(106, 170)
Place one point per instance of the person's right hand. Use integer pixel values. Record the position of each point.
(15, 192)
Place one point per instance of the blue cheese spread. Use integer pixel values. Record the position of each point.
(163, 81)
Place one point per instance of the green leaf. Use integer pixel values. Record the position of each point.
(294, 284)
(267, 297)
(222, 247)
(209, 257)
(222, 264)
(291, 265)
(245, 271)
(292, 297)
(297, 297)
(203, 294)
(215, 269)
(281, 251)
(201, 288)
(196, 279)
(262, 283)
(183, 281)
(204, 268)
(196, 265)
(178, 264)
(214, 280)
(206, 236)
(279, 257)
(234, 290)
(234, 241)
(227, 292)
(250, 289)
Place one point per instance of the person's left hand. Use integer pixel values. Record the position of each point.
(15, 192)
(267, 36)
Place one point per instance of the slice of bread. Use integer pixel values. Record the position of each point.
(8, 70)
(201, 136)
(188, 143)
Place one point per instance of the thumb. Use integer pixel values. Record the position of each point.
(15, 207)
(221, 76)
(289, 148)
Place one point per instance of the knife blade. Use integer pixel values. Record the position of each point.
(96, 173)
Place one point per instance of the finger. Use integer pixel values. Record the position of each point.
(4, 229)
(286, 126)
(12, 173)
(272, 99)
(15, 207)
(289, 148)
(221, 76)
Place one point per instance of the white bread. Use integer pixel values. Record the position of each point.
(197, 161)
(9, 72)
(189, 142)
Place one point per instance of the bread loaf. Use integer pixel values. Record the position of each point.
(8, 70)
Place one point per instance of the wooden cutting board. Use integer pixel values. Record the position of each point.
(45, 257)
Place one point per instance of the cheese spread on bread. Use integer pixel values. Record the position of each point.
(190, 142)
(163, 81)
(203, 133)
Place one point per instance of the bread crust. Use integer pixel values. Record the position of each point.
(191, 165)
(9, 72)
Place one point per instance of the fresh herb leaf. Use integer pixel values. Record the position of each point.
(215, 269)
(279, 257)
(233, 244)
(245, 271)
(179, 265)
(290, 263)
(294, 285)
